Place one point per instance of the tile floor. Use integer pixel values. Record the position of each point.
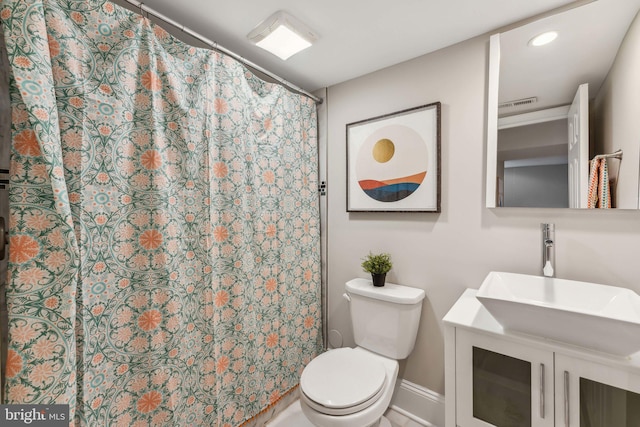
(292, 416)
(399, 420)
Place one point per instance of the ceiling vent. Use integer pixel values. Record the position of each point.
(518, 102)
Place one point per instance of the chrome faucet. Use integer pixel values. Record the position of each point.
(548, 250)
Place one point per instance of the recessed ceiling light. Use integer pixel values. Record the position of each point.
(283, 35)
(544, 38)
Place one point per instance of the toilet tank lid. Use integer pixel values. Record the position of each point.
(389, 292)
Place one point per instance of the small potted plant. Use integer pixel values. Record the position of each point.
(378, 265)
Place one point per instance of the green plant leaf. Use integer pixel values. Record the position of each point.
(377, 263)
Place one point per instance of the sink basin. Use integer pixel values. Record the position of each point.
(599, 317)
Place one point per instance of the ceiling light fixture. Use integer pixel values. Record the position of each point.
(283, 35)
(544, 38)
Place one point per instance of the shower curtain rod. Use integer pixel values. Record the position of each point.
(215, 46)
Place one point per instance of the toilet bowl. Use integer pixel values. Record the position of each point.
(352, 387)
(347, 387)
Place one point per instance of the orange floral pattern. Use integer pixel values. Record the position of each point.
(151, 159)
(149, 401)
(26, 143)
(164, 255)
(149, 320)
(150, 81)
(150, 239)
(13, 364)
(23, 249)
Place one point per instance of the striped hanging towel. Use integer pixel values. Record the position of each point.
(593, 184)
(604, 192)
(599, 191)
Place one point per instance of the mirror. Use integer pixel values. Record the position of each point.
(554, 110)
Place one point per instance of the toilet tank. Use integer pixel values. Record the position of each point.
(385, 319)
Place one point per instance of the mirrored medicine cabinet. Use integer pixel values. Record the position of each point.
(553, 109)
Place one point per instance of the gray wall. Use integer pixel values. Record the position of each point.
(537, 186)
(534, 186)
(448, 252)
(616, 111)
(533, 140)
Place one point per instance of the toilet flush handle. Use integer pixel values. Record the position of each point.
(346, 296)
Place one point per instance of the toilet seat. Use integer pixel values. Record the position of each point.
(342, 382)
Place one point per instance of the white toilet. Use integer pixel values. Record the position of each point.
(352, 387)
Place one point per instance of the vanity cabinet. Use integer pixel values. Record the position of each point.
(497, 378)
(593, 394)
(502, 384)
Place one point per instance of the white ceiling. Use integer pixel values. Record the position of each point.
(588, 41)
(357, 37)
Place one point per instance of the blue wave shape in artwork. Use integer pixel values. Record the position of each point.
(393, 192)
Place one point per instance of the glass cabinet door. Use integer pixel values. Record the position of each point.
(501, 387)
(502, 384)
(595, 395)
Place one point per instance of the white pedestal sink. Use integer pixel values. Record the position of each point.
(599, 317)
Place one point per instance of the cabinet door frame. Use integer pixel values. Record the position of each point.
(542, 367)
(569, 370)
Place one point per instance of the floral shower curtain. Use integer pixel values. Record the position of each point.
(164, 250)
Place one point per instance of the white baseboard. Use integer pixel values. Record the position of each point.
(424, 406)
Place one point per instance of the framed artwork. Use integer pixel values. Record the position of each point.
(393, 162)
